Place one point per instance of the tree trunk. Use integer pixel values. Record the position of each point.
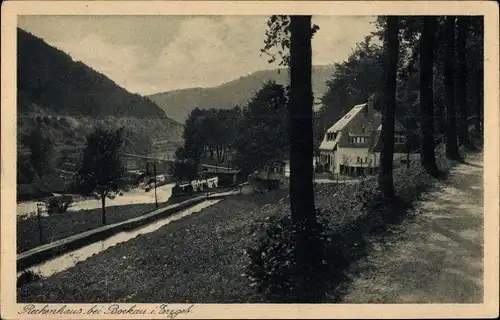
(463, 127)
(218, 153)
(103, 201)
(391, 49)
(478, 128)
(301, 155)
(301, 133)
(452, 151)
(479, 105)
(428, 158)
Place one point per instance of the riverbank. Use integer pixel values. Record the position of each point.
(134, 196)
(60, 226)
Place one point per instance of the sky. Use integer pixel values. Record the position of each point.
(150, 54)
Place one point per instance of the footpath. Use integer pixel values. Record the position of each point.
(437, 255)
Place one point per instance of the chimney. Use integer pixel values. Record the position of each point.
(370, 107)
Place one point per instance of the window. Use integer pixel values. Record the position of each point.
(358, 160)
(356, 140)
(366, 159)
(363, 130)
(399, 139)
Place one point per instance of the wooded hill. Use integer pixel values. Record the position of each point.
(63, 100)
(51, 79)
(179, 103)
(51, 84)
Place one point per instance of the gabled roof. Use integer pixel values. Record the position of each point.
(342, 122)
(329, 144)
(339, 125)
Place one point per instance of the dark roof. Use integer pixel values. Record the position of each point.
(398, 147)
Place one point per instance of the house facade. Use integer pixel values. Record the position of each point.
(352, 145)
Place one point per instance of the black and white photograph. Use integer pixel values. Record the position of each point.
(269, 158)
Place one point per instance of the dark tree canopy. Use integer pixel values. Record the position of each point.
(263, 134)
(40, 146)
(102, 170)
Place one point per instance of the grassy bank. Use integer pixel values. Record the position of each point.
(202, 258)
(59, 226)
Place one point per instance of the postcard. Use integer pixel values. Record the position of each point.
(249, 159)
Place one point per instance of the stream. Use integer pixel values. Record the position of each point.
(69, 259)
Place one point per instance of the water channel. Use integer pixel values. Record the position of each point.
(68, 260)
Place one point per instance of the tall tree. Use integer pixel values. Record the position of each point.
(102, 169)
(263, 136)
(295, 33)
(462, 74)
(477, 56)
(452, 151)
(300, 110)
(427, 39)
(194, 139)
(41, 148)
(391, 50)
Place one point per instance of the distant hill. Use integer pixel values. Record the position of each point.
(65, 100)
(179, 103)
(50, 79)
(51, 84)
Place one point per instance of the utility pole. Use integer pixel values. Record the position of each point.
(408, 153)
(154, 171)
(39, 220)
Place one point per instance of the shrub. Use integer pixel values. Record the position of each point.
(63, 122)
(27, 276)
(58, 204)
(274, 268)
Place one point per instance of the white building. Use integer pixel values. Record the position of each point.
(352, 145)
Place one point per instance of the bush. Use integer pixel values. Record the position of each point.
(27, 276)
(274, 268)
(58, 204)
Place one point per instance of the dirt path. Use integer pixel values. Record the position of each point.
(436, 257)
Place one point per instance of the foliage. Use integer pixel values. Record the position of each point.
(355, 79)
(255, 133)
(41, 149)
(209, 133)
(27, 276)
(278, 38)
(25, 171)
(274, 268)
(58, 204)
(263, 134)
(101, 170)
(185, 170)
